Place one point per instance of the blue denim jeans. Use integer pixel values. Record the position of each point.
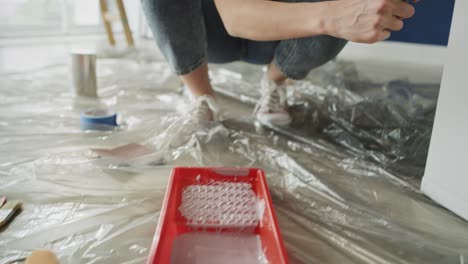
(191, 32)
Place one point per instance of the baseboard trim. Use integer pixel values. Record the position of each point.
(392, 51)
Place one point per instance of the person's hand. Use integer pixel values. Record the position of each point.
(367, 21)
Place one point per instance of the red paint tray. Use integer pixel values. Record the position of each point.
(173, 225)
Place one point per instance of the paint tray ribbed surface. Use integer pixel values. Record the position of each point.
(217, 215)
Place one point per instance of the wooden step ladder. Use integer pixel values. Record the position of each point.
(107, 18)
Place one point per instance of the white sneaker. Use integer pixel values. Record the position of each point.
(204, 109)
(272, 107)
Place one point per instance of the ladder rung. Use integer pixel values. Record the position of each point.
(111, 18)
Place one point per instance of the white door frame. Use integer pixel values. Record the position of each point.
(446, 175)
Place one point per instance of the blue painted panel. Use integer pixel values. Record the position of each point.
(430, 24)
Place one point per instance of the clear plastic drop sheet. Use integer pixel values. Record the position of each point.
(344, 177)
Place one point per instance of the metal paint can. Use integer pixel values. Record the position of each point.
(83, 71)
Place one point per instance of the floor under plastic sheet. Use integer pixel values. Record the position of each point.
(344, 177)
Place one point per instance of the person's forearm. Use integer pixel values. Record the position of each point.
(355, 20)
(267, 20)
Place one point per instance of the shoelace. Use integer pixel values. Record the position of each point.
(204, 107)
(272, 97)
